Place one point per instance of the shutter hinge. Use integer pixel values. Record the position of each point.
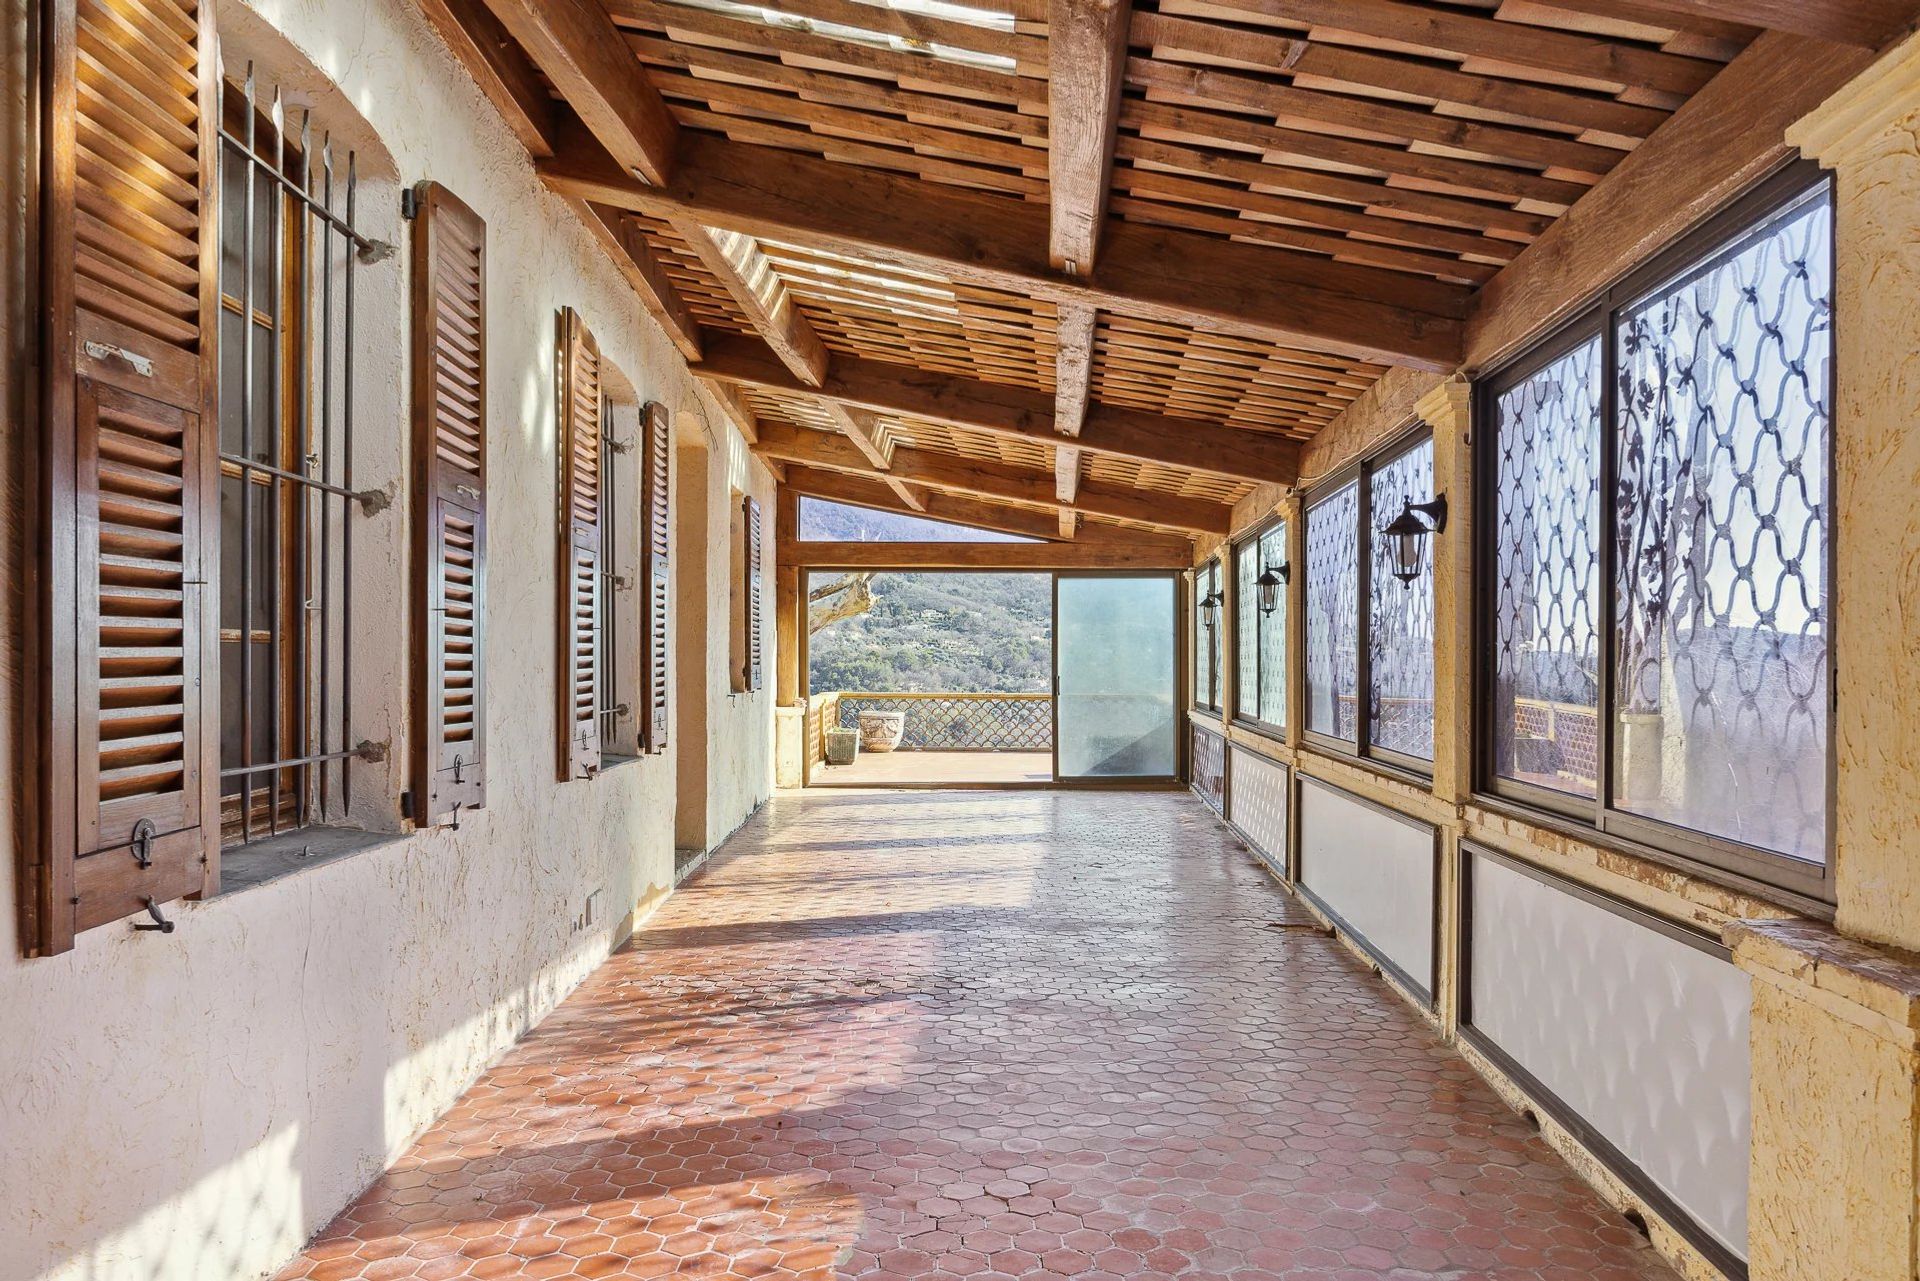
(409, 204)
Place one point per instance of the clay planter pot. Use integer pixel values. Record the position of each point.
(842, 746)
(881, 731)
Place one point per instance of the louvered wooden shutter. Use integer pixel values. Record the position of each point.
(579, 522)
(449, 505)
(654, 464)
(756, 596)
(128, 527)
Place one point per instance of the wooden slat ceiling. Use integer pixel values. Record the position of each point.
(1411, 148)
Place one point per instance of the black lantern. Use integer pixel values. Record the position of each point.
(1270, 581)
(1408, 533)
(1210, 608)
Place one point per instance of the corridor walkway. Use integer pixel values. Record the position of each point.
(1033, 1034)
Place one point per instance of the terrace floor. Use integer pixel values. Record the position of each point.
(981, 1034)
(892, 769)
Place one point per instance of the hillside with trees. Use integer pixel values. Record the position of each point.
(921, 632)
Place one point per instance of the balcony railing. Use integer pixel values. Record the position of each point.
(945, 722)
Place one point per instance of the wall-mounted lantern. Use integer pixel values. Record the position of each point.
(1210, 608)
(1408, 535)
(1271, 579)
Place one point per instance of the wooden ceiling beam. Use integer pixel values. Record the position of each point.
(1099, 546)
(1086, 53)
(631, 252)
(976, 513)
(587, 60)
(1151, 273)
(992, 480)
(499, 66)
(745, 272)
(1003, 410)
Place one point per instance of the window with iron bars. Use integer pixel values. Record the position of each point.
(1655, 534)
(616, 723)
(289, 253)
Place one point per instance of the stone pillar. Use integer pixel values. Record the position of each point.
(1445, 410)
(1836, 1109)
(1865, 135)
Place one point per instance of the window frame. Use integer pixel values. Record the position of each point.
(1747, 867)
(1359, 472)
(1212, 657)
(1249, 545)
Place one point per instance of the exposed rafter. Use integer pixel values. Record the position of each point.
(1152, 273)
(1095, 543)
(1086, 50)
(635, 258)
(576, 44)
(1012, 411)
(990, 480)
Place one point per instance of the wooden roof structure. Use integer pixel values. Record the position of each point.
(1081, 267)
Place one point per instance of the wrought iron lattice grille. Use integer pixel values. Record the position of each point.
(1333, 614)
(1261, 639)
(1207, 641)
(1720, 612)
(961, 722)
(1400, 617)
(1546, 552)
(288, 256)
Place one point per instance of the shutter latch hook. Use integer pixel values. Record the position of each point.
(158, 922)
(142, 843)
(455, 824)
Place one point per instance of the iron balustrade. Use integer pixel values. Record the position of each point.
(959, 722)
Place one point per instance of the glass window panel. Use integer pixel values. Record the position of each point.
(1333, 615)
(1116, 663)
(1246, 630)
(1546, 575)
(1400, 618)
(1720, 612)
(1272, 700)
(1207, 640)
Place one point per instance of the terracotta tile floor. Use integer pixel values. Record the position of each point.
(1035, 1034)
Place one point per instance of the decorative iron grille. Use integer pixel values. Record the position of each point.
(1721, 534)
(1400, 618)
(961, 722)
(1546, 574)
(1333, 615)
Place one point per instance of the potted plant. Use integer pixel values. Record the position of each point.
(842, 746)
(881, 731)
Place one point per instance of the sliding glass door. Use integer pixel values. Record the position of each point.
(1115, 676)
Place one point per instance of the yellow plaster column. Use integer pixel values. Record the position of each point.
(1836, 1105)
(1866, 134)
(1445, 410)
(1836, 1114)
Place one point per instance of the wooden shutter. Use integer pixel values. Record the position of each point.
(756, 595)
(658, 450)
(127, 529)
(449, 505)
(579, 522)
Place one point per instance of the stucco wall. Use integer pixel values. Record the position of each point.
(191, 1106)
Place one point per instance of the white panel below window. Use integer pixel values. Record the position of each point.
(1640, 1034)
(1375, 871)
(1257, 803)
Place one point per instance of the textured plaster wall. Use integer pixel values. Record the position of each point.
(192, 1106)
